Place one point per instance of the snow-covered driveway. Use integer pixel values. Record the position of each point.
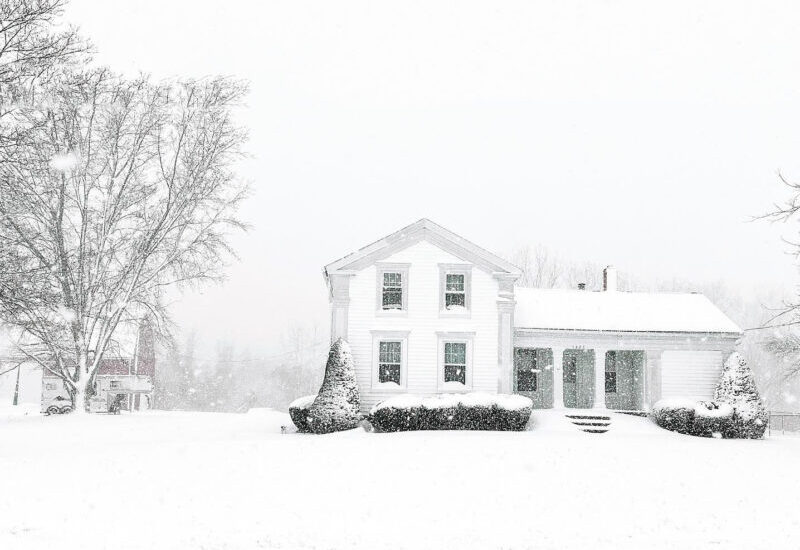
(217, 481)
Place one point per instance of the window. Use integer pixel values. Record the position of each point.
(50, 386)
(115, 384)
(391, 289)
(570, 369)
(392, 297)
(454, 289)
(455, 295)
(612, 357)
(389, 360)
(390, 356)
(611, 382)
(455, 362)
(528, 370)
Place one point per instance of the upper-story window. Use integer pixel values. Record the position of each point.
(455, 292)
(392, 289)
(455, 282)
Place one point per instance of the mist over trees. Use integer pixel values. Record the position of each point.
(235, 380)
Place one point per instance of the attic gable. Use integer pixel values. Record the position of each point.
(431, 232)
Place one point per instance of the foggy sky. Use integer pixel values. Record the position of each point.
(616, 132)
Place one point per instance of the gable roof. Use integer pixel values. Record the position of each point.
(423, 229)
(558, 309)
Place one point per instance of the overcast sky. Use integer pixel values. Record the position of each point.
(616, 132)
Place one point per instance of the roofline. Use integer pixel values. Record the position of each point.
(422, 225)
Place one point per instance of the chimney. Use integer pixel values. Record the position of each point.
(610, 279)
(581, 286)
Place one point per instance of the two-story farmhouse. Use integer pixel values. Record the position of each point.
(426, 311)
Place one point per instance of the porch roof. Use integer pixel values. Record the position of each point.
(557, 309)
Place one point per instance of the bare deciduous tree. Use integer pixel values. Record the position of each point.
(121, 189)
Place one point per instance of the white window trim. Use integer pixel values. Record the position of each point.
(454, 337)
(379, 336)
(380, 269)
(455, 269)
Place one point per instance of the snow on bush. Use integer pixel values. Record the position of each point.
(712, 419)
(298, 411)
(471, 411)
(702, 418)
(676, 415)
(737, 387)
(336, 406)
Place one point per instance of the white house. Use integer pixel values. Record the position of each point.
(426, 311)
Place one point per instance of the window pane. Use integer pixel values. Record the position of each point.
(392, 299)
(527, 380)
(455, 373)
(452, 299)
(392, 280)
(390, 352)
(611, 382)
(454, 282)
(455, 353)
(389, 373)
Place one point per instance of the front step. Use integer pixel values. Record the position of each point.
(590, 423)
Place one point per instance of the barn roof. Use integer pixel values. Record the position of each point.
(557, 309)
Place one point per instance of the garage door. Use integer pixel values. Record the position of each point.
(690, 374)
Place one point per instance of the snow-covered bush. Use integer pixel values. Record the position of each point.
(676, 415)
(702, 418)
(337, 404)
(298, 411)
(712, 419)
(471, 411)
(737, 387)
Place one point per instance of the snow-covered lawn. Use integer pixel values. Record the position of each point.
(216, 481)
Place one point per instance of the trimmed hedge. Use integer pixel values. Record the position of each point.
(472, 411)
(701, 418)
(298, 411)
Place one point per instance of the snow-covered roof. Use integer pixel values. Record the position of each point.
(558, 309)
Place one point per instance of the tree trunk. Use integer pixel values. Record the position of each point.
(79, 404)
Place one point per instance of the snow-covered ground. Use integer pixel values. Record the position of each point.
(222, 481)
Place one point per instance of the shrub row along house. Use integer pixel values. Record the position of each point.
(427, 312)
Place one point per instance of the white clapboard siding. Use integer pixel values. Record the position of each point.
(690, 374)
(423, 322)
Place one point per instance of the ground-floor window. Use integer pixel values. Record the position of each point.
(455, 362)
(389, 361)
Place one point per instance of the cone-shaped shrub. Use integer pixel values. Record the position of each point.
(337, 404)
(738, 388)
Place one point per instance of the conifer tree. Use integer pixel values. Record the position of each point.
(738, 388)
(337, 404)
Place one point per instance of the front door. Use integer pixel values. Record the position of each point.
(579, 378)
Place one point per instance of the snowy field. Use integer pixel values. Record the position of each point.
(221, 481)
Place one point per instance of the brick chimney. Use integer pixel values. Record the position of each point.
(610, 279)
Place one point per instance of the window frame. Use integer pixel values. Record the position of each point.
(379, 336)
(466, 338)
(402, 269)
(455, 269)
